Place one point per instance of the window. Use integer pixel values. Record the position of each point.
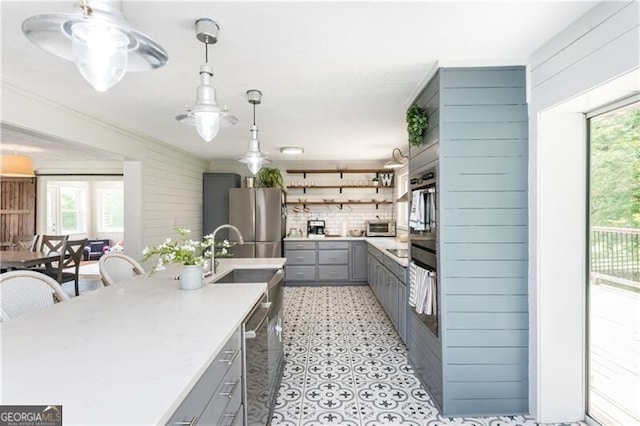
(67, 207)
(110, 208)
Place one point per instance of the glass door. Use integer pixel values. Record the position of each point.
(613, 302)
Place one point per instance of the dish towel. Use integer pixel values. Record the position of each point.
(422, 290)
(417, 215)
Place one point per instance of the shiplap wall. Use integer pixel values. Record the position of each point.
(483, 239)
(581, 62)
(478, 137)
(163, 185)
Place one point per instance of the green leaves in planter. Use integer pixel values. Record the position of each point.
(417, 123)
(271, 177)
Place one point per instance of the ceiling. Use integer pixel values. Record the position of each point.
(337, 77)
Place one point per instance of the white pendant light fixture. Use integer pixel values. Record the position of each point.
(206, 114)
(254, 158)
(97, 38)
(394, 163)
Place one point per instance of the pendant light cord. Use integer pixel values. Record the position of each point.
(206, 53)
(254, 114)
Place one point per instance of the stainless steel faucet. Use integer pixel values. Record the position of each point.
(213, 240)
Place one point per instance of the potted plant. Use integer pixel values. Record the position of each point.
(191, 254)
(375, 181)
(417, 122)
(271, 177)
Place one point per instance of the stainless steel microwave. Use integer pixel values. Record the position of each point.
(380, 228)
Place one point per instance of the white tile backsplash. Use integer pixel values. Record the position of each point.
(354, 216)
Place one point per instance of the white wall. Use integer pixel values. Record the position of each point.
(163, 185)
(576, 65)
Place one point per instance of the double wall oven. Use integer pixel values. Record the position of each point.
(423, 226)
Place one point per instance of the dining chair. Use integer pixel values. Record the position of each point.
(70, 259)
(24, 242)
(50, 243)
(116, 267)
(23, 292)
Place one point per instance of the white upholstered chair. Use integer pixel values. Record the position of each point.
(23, 292)
(116, 267)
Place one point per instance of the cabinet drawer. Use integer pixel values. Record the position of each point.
(332, 273)
(322, 245)
(300, 273)
(227, 398)
(299, 245)
(196, 401)
(300, 257)
(333, 257)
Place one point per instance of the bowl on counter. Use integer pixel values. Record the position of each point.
(356, 232)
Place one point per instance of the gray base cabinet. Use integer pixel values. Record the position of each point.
(217, 397)
(335, 261)
(388, 280)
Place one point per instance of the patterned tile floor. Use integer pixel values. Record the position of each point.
(346, 365)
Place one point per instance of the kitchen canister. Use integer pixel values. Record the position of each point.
(249, 181)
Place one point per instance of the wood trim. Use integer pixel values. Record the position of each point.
(15, 211)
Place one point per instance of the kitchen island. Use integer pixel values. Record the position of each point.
(125, 354)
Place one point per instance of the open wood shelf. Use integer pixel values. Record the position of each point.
(338, 186)
(338, 202)
(340, 171)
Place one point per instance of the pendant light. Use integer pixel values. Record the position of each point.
(98, 39)
(206, 114)
(16, 166)
(254, 158)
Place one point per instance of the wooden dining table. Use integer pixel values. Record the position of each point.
(26, 259)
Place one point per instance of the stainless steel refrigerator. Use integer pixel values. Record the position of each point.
(259, 215)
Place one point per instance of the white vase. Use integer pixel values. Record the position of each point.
(191, 277)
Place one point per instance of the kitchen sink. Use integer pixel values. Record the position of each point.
(247, 275)
(403, 253)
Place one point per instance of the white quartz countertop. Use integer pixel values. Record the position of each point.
(381, 243)
(125, 354)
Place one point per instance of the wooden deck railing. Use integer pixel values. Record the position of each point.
(615, 252)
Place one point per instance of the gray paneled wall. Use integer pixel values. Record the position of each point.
(483, 239)
(478, 123)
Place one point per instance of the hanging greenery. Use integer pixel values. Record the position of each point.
(417, 123)
(271, 177)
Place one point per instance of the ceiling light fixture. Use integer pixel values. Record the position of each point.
(395, 163)
(16, 166)
(254, 158)
(206, 114)
(98, 39)
(292, 150)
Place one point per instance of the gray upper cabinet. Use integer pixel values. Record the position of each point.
(478, 134)
(215, 201)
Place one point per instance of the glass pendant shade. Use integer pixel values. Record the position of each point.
(207, 124)
(254, 158)
(100, 52)
(96, 36)
(206, 110)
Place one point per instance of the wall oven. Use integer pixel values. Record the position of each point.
(423, 234)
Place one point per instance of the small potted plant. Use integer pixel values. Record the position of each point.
(375, 181)
(192, 255)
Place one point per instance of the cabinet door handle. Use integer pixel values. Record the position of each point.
(234, 415)
(233, 356)
(188, 423)
(233, 388)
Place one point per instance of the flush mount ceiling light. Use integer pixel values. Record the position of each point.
(254, 158)
(394, 163)
(98, 39)
(16, 166)
(292, 150)
(206, 115)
